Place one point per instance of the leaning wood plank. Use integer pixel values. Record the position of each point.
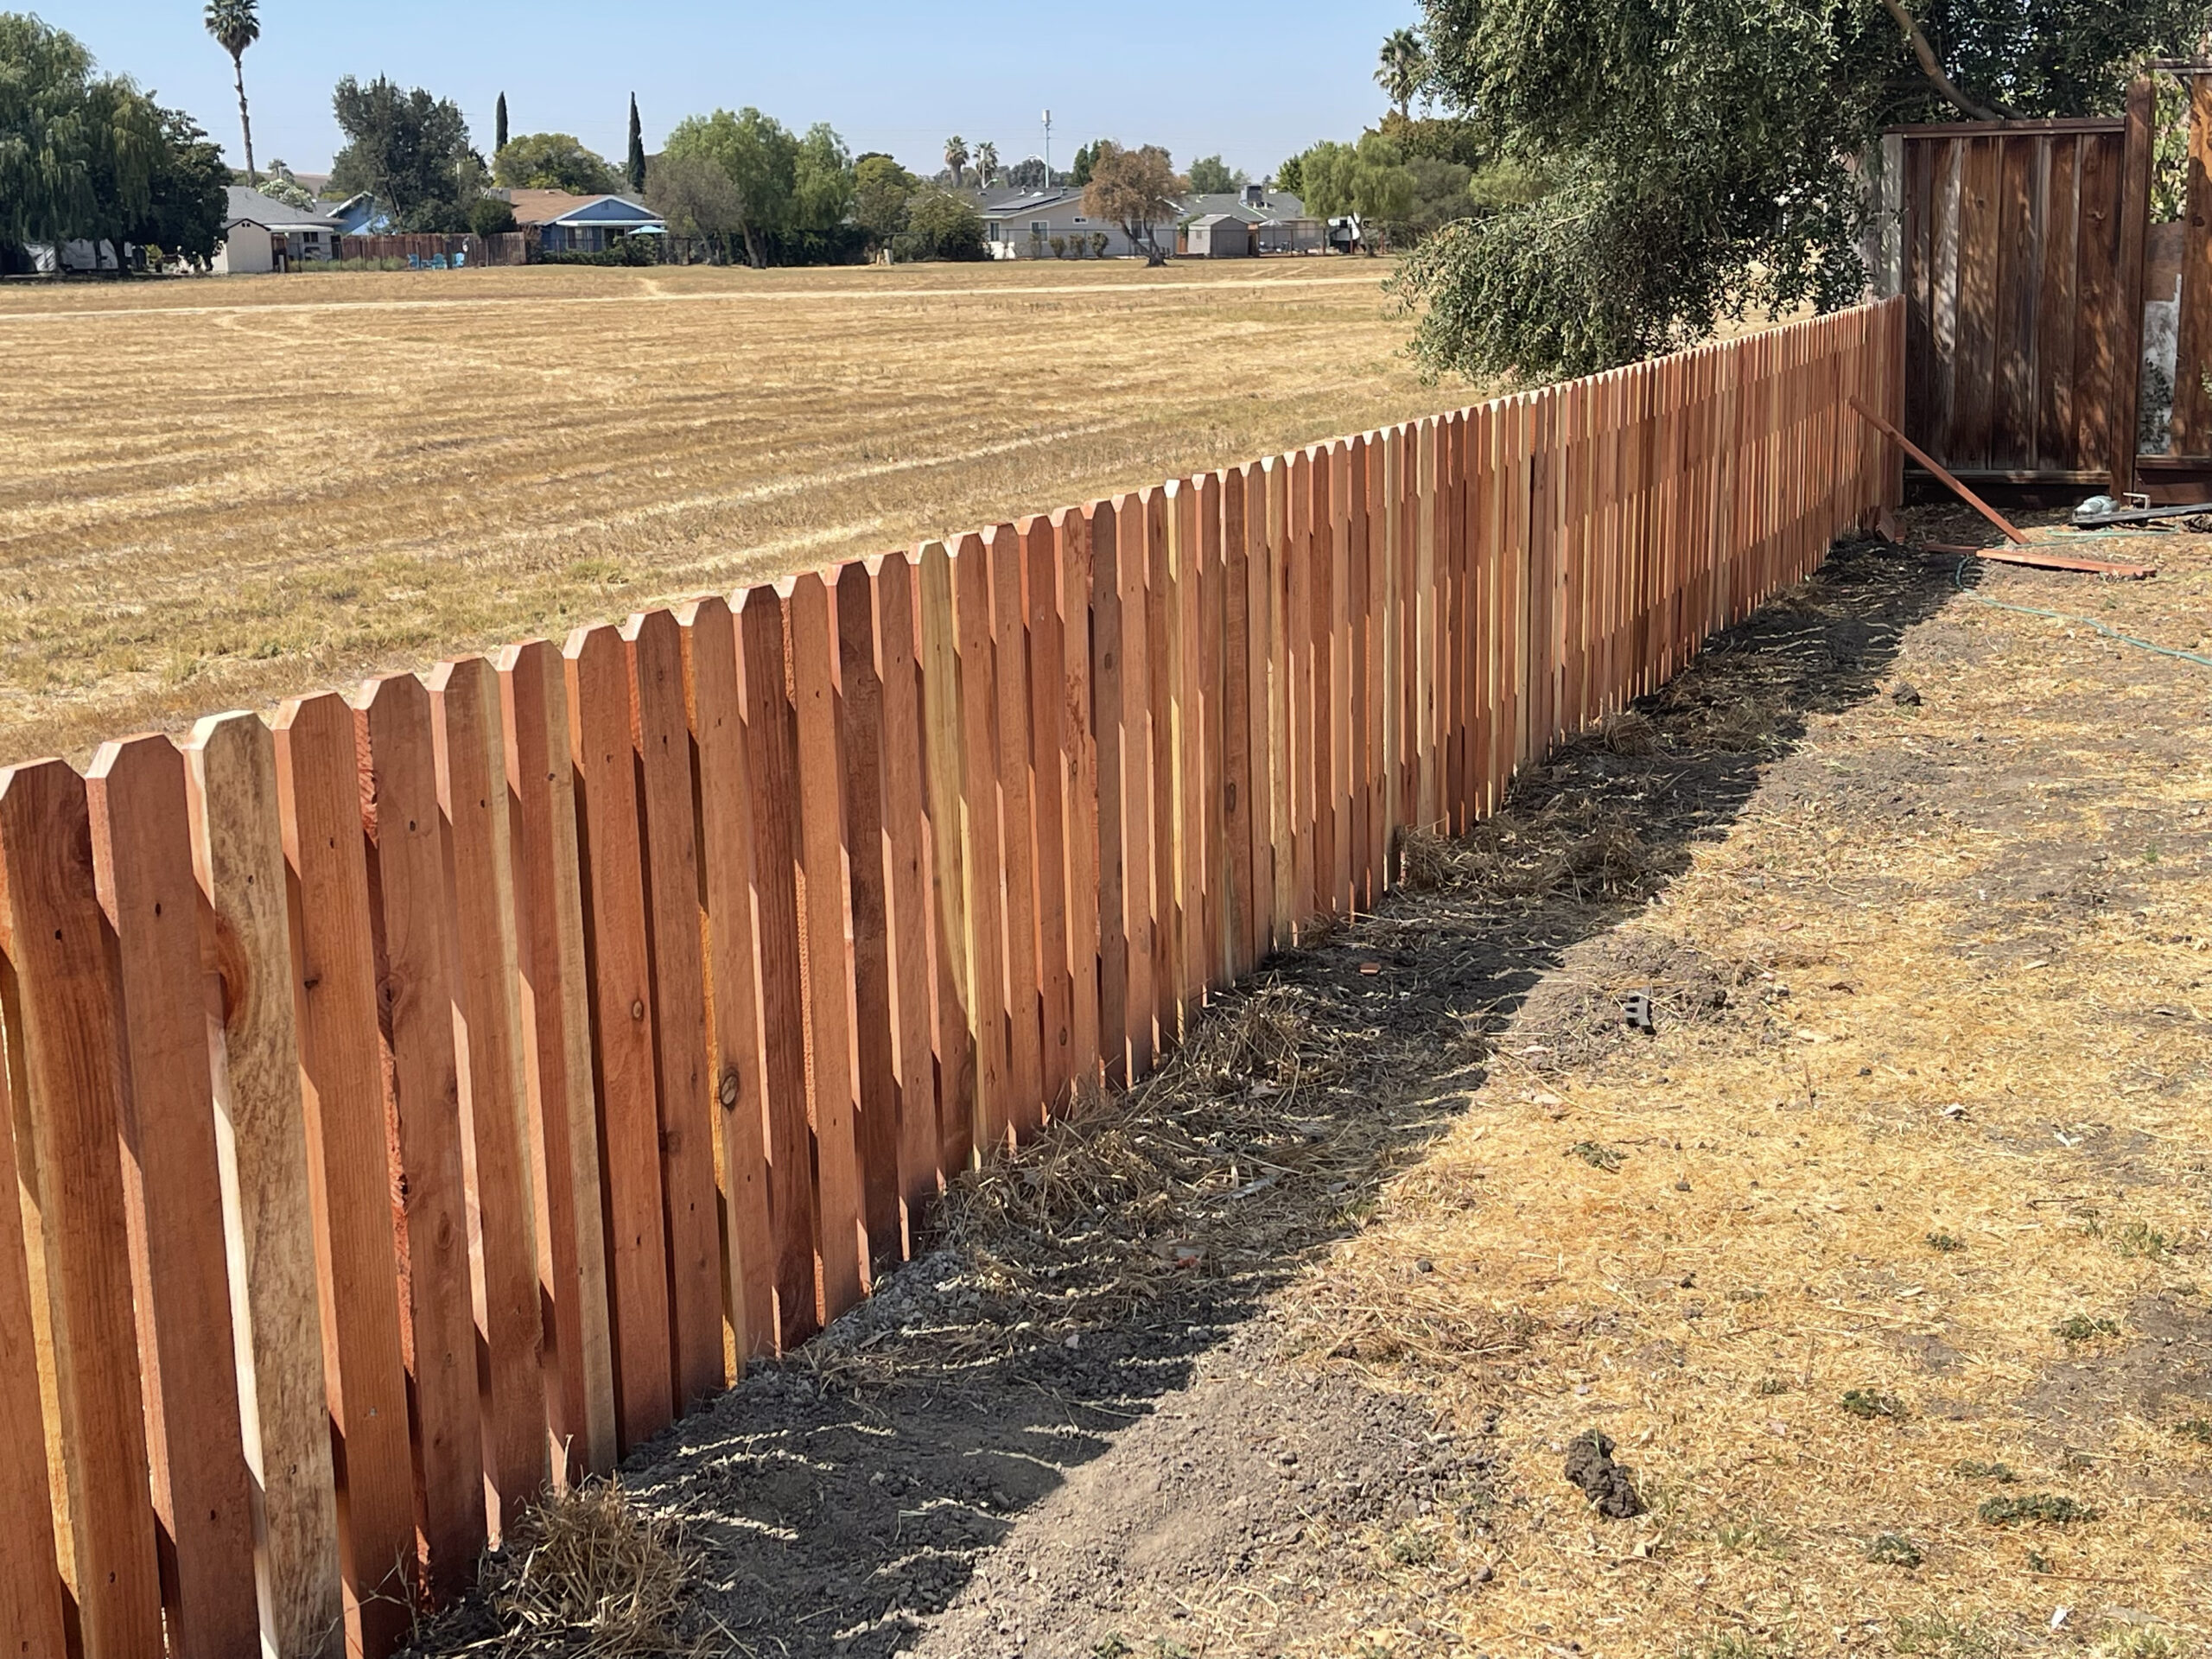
(908, 939)
(30, 1576)
(1018, 856)
(1163, 610)
(578, 1356)
(1934, 466)
(773, 756)
(495, 1109)
(65, 988)
(811, 641)
(715, 707)
(861, 738)
(141, 864)
(1217, 964)
(1048, 756)
(1236, 889)
(1107, 670)
(1132, 555)
(598, 668)
(2045, 560)
(1073, 539)
(661, 726)
(349, 1168)
(412, 915)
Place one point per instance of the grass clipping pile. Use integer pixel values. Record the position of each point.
(586, 1574)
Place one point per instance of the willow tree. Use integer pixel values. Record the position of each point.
(236, 24)
(1694, 160)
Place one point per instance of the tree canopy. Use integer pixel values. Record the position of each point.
(1212, 176)
(410, 148)
(553, 160)
(1370, 178)
(88, 156)
(1135, 189)
(235, 25)
(1683, 160)
(789, 195)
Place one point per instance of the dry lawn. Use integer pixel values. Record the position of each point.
(1886, 1260)
(217, 493)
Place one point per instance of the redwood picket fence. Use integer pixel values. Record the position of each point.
(425, 1096)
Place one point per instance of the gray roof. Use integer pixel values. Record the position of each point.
(250, 205)
(1005, 199)
(1275, 205)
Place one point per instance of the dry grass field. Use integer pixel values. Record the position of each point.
(216, 494)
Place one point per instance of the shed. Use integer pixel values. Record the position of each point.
(1219, 236)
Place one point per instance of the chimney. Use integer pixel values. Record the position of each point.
(1255, 196)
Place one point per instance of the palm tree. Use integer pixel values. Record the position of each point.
(955, 157)
(986, 161)
(1403, 68)
(236, 25)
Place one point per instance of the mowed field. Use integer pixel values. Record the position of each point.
(214, 494)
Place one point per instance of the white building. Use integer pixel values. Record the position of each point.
(1022, 224)
(262, 234)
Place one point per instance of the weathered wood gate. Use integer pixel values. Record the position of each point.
(2023, 268)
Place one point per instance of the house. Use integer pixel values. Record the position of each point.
(359, 215)
(567, 224)
(1021, 224)
(262, 234)
(1218, 236)
(1277, 220)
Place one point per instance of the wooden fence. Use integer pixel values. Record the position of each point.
(425, 1096)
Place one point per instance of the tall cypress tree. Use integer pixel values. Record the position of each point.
(635, 169)
(499, 125)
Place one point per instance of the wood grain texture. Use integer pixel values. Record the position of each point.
(771, 748)
(1074, 536)
(577, 1355)
(1049, 758)
(714, 706)
(411, 917)
(982, 850)
(1107, 667)
(599, 746)
(937, 632)
(479, 847)
(2192, 414)
(1236, 890)
(810, 641)
(71, 1093)
(683, 1082)
(252, 1035)
(30, 1576)
(142, 862)
(861, 735)
(913, 1008)
(1132, 558)
(351, 1176)
(1164, 646)
(1019, 854)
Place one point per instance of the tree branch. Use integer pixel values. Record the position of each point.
(1930, 68)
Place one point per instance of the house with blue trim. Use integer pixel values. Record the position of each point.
(567, 224)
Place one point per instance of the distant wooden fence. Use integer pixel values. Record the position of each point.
(506, 248)
(428, 1095)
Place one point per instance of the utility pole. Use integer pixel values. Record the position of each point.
(1048, 149)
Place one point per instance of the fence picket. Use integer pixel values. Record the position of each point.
(1049, 754)
(1019, 850)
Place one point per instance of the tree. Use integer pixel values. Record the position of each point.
(554, 161)
(880, 190)
(987, 163)
(79, 152)
(1211, 176)
(759, 157)
(1291, 175)
(408, 148)
(1135, 189)
(692, 193)
(941, 224)
(499, 124)
(634, 165)
(186, 191)
(1085, 159)
(280, 186)
(236, 24)
(1402, 70)
(1697, 159)
(1369, 179)
(1027, 174)
(956, 157)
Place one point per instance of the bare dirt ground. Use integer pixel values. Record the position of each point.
(1880, 1260)
(216, 494)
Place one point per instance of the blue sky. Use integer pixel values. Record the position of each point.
(1253, 82)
